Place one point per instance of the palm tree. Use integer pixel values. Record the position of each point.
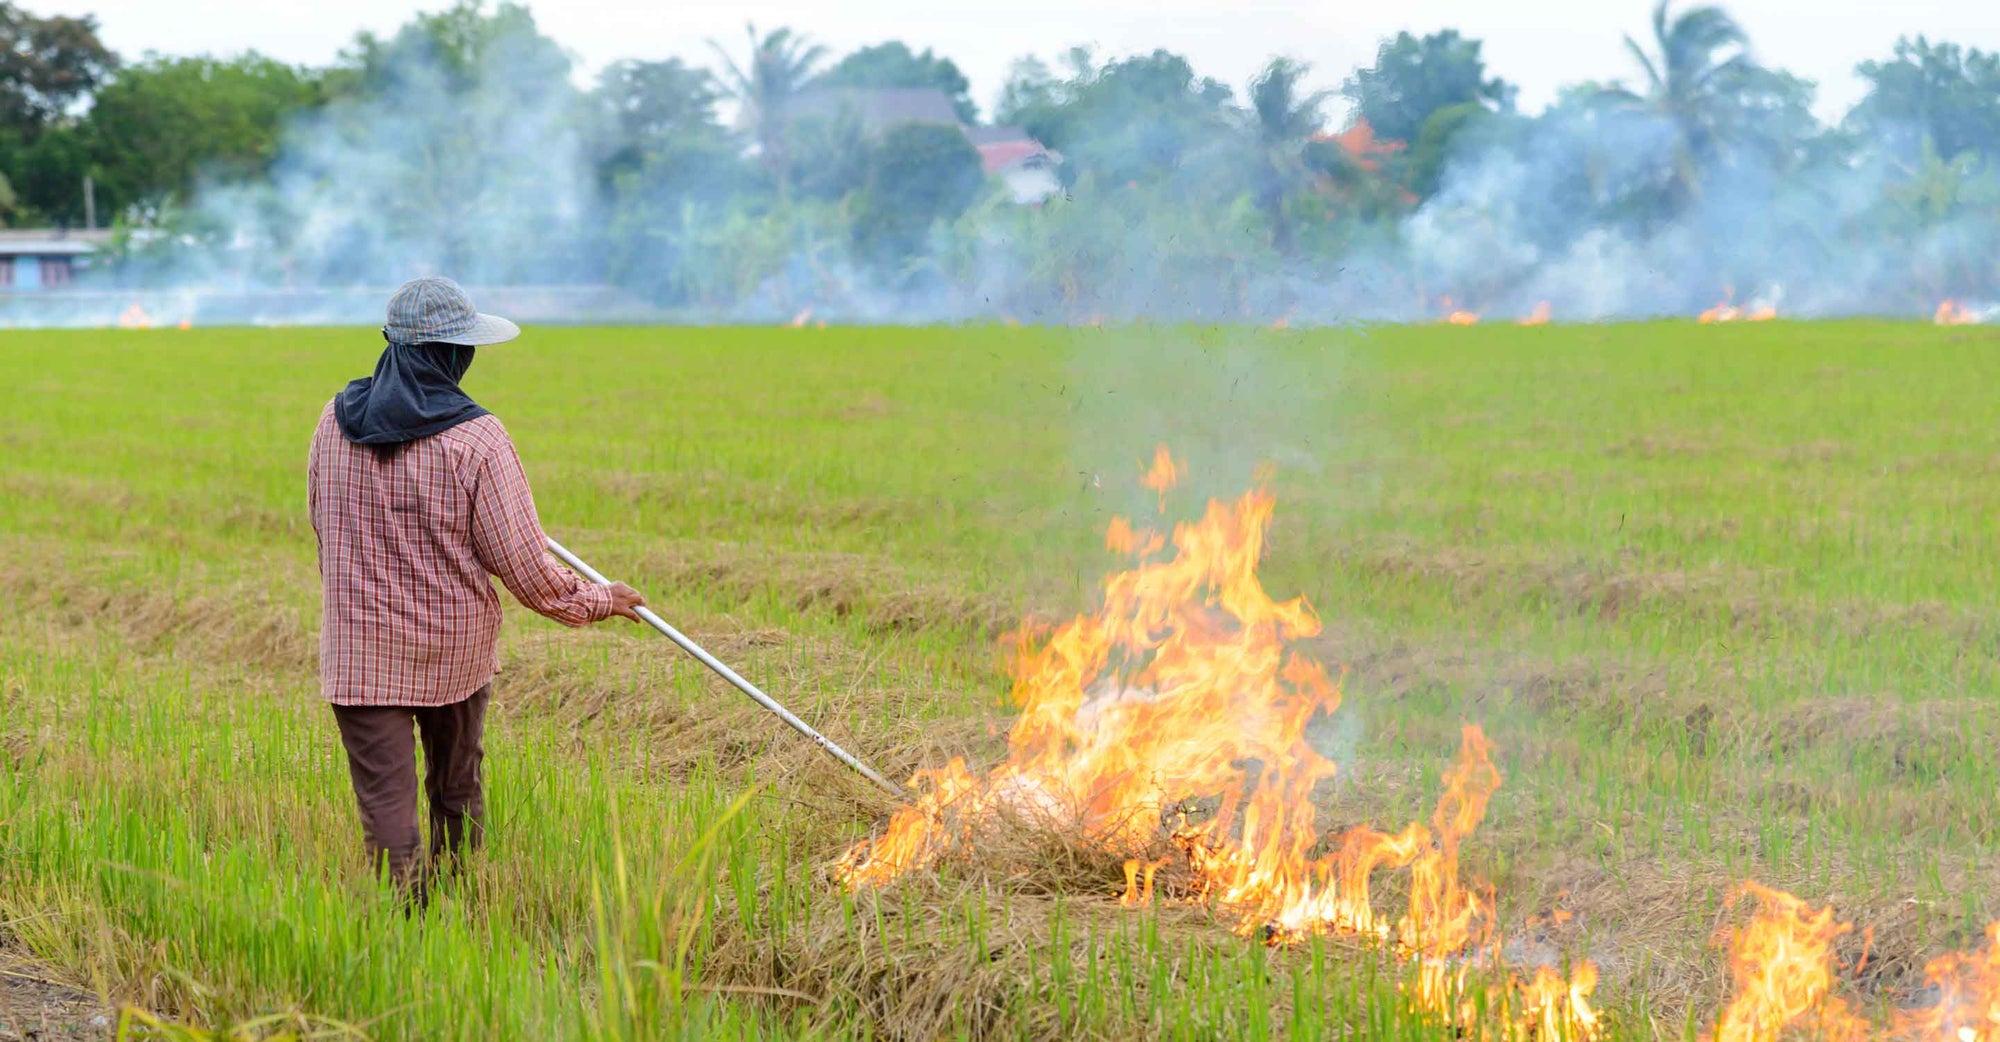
(1699, 65)
(1930, 192)
(781, 64)
(1284, 120)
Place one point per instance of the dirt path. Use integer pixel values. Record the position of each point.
(36, 1008)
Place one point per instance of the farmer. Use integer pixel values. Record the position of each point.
(416, 497)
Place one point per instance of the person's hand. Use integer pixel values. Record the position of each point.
(626, 601)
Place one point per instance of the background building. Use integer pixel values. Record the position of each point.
(45, 258)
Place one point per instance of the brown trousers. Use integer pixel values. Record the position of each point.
(381, 758)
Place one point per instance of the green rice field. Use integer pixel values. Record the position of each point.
(1722, 596)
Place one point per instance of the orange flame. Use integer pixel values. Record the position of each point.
(916, 834)
(1540, 316)
(1557, 1007)
(1161, 477)
(1139, 881)
(1183, 670)
(1187, 683)
(1781, 964)
(799, 320)
(134, 317)
(1723, 312)
(1728, 311)
(1952, 313)
(1968, 990)
(1457, 316)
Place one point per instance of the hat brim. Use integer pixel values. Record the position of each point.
(486, 330)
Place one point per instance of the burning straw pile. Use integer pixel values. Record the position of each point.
(1186, 690)
(1187, 685)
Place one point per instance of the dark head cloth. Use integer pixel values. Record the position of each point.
(432, 328)
(413, 394)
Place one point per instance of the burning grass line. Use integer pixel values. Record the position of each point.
(1784, 981)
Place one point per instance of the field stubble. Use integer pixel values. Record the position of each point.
(1719, 596)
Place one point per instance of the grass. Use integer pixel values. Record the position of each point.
(1721, 596)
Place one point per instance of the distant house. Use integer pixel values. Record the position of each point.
(33, 259)
(1020, 162)
(1360, 142)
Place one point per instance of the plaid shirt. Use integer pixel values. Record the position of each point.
(406, 543)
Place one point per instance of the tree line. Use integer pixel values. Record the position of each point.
(776, 196)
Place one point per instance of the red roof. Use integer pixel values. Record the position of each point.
(1000, 155)
(1360, 142)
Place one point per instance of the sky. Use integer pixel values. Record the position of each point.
(1539, 45)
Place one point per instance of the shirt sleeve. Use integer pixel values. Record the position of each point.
(507, 537)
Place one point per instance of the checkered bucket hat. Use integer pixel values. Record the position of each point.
(435, 310)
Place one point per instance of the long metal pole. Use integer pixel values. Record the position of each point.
(730, 675)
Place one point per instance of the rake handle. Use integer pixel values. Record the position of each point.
(722, 670)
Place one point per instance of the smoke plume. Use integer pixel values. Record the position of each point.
(484, 171)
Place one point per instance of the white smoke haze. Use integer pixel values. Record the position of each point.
(478, 172)
(1515, 224)
(488, 180)
(486, 174)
